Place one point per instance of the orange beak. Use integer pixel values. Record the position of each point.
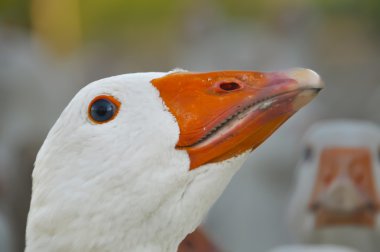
(223, 114)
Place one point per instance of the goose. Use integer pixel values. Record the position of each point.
(312, 248)
(336, 194)
(135, 161)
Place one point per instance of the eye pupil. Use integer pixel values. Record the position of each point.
(102, 110)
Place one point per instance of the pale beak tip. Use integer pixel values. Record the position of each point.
(306, 78)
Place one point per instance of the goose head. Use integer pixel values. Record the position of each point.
(135, 161)
(336, 196)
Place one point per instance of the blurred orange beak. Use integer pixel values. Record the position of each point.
(224, 114)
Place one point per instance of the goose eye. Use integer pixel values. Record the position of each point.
(308, 153)
(103, 109)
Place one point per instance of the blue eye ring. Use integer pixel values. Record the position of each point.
(103, 108)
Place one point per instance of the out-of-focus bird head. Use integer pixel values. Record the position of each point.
(135, 161)
(338, 181)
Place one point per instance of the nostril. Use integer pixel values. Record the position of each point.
(371, 206)
(314, 206)
(229, 86)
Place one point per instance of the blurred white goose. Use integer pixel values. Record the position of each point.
(336, 196)
(312, 248)
(135, 161)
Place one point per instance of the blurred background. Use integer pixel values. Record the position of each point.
(49, 49)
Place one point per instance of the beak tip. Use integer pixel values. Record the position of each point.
(306, 78)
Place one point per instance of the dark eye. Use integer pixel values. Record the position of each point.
(308, 153)
(103, 109)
